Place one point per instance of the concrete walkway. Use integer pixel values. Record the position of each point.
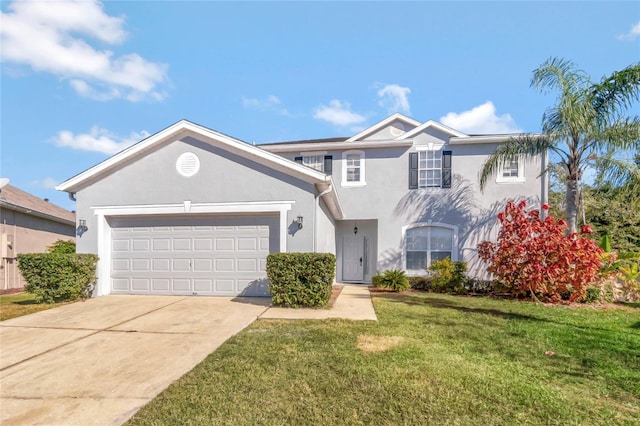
(98, 362)
(354, 303)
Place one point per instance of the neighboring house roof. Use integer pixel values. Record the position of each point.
(185, 128)
(13, 198)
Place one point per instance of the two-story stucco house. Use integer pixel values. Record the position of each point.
(193, 211)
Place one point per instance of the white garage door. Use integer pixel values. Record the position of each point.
(196, 255)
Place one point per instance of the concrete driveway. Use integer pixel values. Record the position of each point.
(97, 362)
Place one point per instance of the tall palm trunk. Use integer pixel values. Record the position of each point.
(572, 203)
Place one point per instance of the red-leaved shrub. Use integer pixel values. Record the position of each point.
(537, 256)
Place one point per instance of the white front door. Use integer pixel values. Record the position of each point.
(353, 258)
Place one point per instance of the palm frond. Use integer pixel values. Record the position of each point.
(618, 91)
(525, 145)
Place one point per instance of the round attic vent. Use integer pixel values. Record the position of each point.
(397, 128)
(188, 164)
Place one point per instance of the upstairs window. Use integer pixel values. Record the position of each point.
(353, 168)
(314, 161)
(317, 161)
(430, 169)
(511, 172)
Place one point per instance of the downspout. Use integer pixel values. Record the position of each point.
(72, 196)
(315, 215)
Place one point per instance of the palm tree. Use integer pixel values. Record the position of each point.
(583, 129)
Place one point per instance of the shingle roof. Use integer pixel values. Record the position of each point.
(305, 141)
(16, 199)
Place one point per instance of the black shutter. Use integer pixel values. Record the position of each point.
(413, 170)
(446, 169)
(298, 160)
(328, 164)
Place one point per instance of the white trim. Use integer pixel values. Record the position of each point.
(491, 138)
(312, 153)
(512, 179)
(439, 126)
(454, 251)
(382, 124)
(430, 147)
(362, 181)
(104, 229)
(334, 146)
(186, 128)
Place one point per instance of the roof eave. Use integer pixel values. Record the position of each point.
(32, 212)
(329, 146)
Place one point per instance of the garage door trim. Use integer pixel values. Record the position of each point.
(187, 208)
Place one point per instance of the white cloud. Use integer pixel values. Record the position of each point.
(47, 182)
(53, 37)
(338, 113)
(394, 98)
(97, 140)
(481, 119)
(633, 33)
(270, 103)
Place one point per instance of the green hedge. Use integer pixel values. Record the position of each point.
(301, 279)
(53, 277)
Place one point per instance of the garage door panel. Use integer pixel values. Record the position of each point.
(181, 244)
(120, 245)
(120, 265)
(141, 284)
(224, 265)
(247, 265)
(192, 255)
(141, 265)
(203, 265)
(225, 244)
(181, 265)
(161, 265)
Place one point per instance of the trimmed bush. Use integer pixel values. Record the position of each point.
(301, 279)
(375, 280)
(420, 283)
(53, 277)
(449, 276)
(394, 280)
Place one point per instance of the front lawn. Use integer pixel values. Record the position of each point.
(16, 305)
(430, 359)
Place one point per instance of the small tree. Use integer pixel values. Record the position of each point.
(535, 255)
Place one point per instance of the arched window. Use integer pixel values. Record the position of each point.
(426, 243)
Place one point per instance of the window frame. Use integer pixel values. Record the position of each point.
(520, 178)
(319, 154)
(362, 166)
(438, 153)
(454, 243)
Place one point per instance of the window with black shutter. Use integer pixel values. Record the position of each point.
(328, 164)
(446, 169)
(413, 170)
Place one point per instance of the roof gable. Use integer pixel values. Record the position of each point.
(182, 129)
(384, 123)
(435, 125)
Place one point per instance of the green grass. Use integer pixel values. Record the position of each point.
(16, 305)
(458, 361)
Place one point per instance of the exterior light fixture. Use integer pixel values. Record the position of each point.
(355, 229)
(82, 227)
(299, 222)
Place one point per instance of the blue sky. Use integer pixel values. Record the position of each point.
(82, 80)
